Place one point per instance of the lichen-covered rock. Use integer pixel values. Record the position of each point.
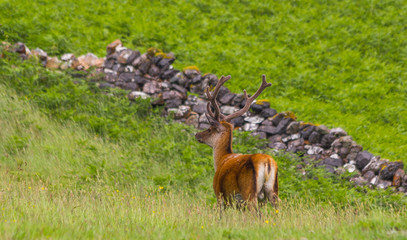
(388, 170)
(200, 107)
(312, 150)
(359, 181)
(398, 177)
(191, 72)
(151, 87)
(41, 54)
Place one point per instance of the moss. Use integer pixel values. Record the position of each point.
(191, 68)
(262, 101)
(289, 115)
(152, 52)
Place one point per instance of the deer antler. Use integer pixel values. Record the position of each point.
(217, 115)
(249, 100)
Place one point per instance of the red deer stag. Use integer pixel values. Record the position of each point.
(239, 178)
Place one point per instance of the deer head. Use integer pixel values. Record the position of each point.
(220, 126)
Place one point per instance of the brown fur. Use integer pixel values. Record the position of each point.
(236, 173)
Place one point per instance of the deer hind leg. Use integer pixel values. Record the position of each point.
(271, 188)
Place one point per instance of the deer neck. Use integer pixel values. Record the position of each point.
(223, 148)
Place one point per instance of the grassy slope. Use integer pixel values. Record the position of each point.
(58, 180)
(339, 63)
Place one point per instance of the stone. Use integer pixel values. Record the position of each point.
(140, 80)
(53, 63)
(105, 85)
(127, 56)
(277, 118)
(136, 94)
(20, 48)
(295, 145)
(327, 140)
(398, 177)
(338, 132)
(172, 94)
(129, 68)
(87, 61)
(237, 100)
(260, 135)
(111, 48)
(277, 146)
(353, 151)
(168, 74)
(388, 170)
(306, 131)
(314, 137)
(165, 63)
(276, 138)
(322, 129)
(266, 123)
(227, 110)
(374, 180)
(191, 72)
(203, 119)
(359, 181)
(335, 162)
(268, 112)
(335, 156)
(173, 103)
(154, 71)
(343, 152)
(362, 159)
(227, 98)
(383, 184)
(182, 111)
(67, 57)
(250, 127)
(200, 107)
(41, 54)
(267, 129)
(237, 122)
(376, 166)
(293, 127)
(144, 66)
(130, 86)
(181, 89)
(127, 77)
(151, 87)
(254, 119)
(349, 167)
(193, 120)
(312, 150)
(369, 175)
(257, 108)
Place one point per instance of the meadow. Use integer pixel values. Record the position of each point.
(80, 162)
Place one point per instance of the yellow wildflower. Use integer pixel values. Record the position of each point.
(267, 221)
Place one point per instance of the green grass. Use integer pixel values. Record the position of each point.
(80, 162)
(338, 63)
(63, 175)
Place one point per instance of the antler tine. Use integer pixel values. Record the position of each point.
(249, 100)
(212, 99)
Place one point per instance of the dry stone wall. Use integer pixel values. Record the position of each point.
(151, 75)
